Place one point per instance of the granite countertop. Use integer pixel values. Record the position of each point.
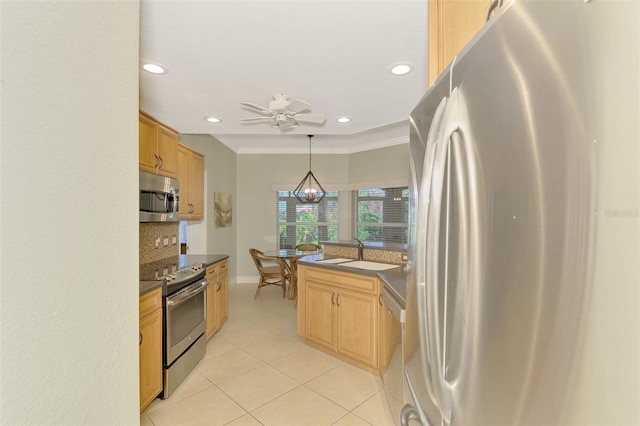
(149, 272)
(394, 279)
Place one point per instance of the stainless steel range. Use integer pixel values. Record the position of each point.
(184, 317)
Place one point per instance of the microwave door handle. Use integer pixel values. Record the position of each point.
(175, 200)
(197, 288)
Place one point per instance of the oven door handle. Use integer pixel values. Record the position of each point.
(188, 293)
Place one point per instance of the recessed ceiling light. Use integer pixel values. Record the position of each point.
(212, 119)
(154, 68)
(401, 69)
(343, 119)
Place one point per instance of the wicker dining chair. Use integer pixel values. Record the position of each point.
(293, 282)
(272, 270)
(308, 247)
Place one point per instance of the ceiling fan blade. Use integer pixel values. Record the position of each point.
(297, 106)
(309, 118)
(257, 119)
(258, 108)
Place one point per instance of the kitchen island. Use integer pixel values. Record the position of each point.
(341, 310)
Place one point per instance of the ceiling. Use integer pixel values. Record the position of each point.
(335, 55)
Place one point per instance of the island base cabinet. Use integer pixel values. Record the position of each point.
(320, 324)
(337, 319)
(357, 326)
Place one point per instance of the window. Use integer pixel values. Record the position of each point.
(381, 214)
(306, 223)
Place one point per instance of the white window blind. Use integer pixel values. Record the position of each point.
(381, 214)
(307, 223)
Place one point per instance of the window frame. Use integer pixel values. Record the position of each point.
(291, 223)
(392, 194)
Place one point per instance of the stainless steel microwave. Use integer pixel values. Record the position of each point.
(159, 197)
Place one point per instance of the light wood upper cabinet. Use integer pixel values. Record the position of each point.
(191, 177)
(150, 315)
(339, 312)
(157, 147)
(452, 23)
(217, 296)
(148, 129)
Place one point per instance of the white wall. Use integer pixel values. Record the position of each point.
(69, 227)
(380, 165)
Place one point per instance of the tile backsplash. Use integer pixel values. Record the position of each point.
(373, 255)
(161, 232)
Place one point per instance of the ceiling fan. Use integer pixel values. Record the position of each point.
(284, 113)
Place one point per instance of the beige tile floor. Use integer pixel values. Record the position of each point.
(257, 371)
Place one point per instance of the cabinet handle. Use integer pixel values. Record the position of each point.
(219, 286)
(338, 299)
(332, 302)
(380, 299)
(495, 4)
(140, 339)
(161, 162)
(155, 166)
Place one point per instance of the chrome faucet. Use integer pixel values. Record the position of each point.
(360, 248)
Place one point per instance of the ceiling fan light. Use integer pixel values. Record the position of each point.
(287, 124)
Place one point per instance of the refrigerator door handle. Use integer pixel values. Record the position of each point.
(433, 277)
(421, 250)
(409, 413)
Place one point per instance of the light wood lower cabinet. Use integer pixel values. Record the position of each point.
(217, 296)
(150, 347)
(339, 313)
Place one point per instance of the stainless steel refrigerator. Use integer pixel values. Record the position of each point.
(522, 301)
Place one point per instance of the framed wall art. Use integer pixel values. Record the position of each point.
(223, 204)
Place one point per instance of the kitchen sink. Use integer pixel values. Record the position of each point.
(335, 260)
(370, 266)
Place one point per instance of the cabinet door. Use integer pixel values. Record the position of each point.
(452, 23)
(357, 325)
(184, 177)
(320, 314)
(150, 358)
(167, 151)
(197, 185)
(223, 294)
(212, 311)
(147, 131)
(390, 335)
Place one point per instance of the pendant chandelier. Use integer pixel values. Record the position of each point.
(309, 189)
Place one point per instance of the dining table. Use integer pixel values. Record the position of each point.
(287, 255)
